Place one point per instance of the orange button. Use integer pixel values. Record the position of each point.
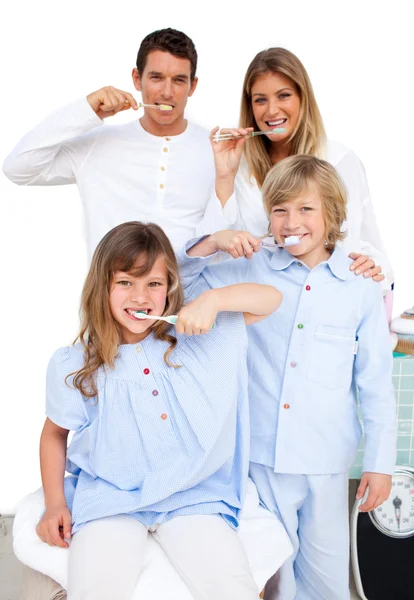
(168, 139)
(163, 416)
(162, 168)
(162, 186)
(286, 406)
(165, 149)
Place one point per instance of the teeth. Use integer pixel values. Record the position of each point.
(275, 123)
(134, 312)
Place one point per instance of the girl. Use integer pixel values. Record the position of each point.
(161, 430)
(277, 93)
(329, 337)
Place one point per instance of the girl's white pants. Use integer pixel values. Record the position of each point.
(106, 555)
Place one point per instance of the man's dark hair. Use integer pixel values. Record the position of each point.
(167, 40)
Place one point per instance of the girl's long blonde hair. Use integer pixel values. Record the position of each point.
(309, 136)
(118, 251)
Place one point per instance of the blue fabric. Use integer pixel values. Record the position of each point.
(128, 458)
(303, 370)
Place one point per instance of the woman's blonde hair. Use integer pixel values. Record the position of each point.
(118, 251)
(309, 136)
(293, 176)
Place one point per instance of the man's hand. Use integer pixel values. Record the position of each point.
(108, 101)
(379, 486)
(55, 525)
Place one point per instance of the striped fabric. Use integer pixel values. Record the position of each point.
(160, 441)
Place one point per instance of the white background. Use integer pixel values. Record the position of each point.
(359, 56)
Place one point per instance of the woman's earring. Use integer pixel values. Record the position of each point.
(326, 243)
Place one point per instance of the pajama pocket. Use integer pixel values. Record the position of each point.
(331, 357)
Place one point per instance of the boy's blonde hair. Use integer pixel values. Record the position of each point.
(309, 136)
(292, 176)
(118, 251)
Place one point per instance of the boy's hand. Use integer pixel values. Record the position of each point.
(379, 486)
(237, 243)
(198, 316)
(55, 525)
(365, 264)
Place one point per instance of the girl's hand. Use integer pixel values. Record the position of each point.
(379, 486)
(365, 264)
(237, 243)
(198, 316)
(227, 154)
(55, 525)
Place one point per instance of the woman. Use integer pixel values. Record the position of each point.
(278, 94)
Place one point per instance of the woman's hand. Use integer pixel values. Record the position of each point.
(228, 153)
(55, 525)
(198, 316)
(365, 264)
(236, 243)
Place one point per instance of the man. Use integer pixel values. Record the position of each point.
(158, 168)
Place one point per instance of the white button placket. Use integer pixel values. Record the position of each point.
(165, 149)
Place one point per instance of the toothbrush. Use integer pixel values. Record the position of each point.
(172, 319)
(165, 107)
(291, 240)
(222, 137)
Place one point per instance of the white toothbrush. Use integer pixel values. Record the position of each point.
(170, 319)
(291, 240)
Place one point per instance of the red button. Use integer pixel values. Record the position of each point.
(155, 392)
(308, 287)
(286, 406)
(146, 371)
(163, 416)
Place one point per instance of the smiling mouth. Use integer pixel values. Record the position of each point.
(295, 235)
(276, 123)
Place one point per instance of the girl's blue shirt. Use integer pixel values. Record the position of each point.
(159, 441)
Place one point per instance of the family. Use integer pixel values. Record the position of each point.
(265, 252)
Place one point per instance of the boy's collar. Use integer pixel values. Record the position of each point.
(338, 262)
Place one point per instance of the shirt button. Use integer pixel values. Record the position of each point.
(300, 264)
(162, 186)
(163, 416)
(168, 139)
(138, 349)
(165, 149)
(300, 326)
(308, 287)
(155, 392)
(286, 406)
(146, 371)
(162, 168)
(293, 363)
